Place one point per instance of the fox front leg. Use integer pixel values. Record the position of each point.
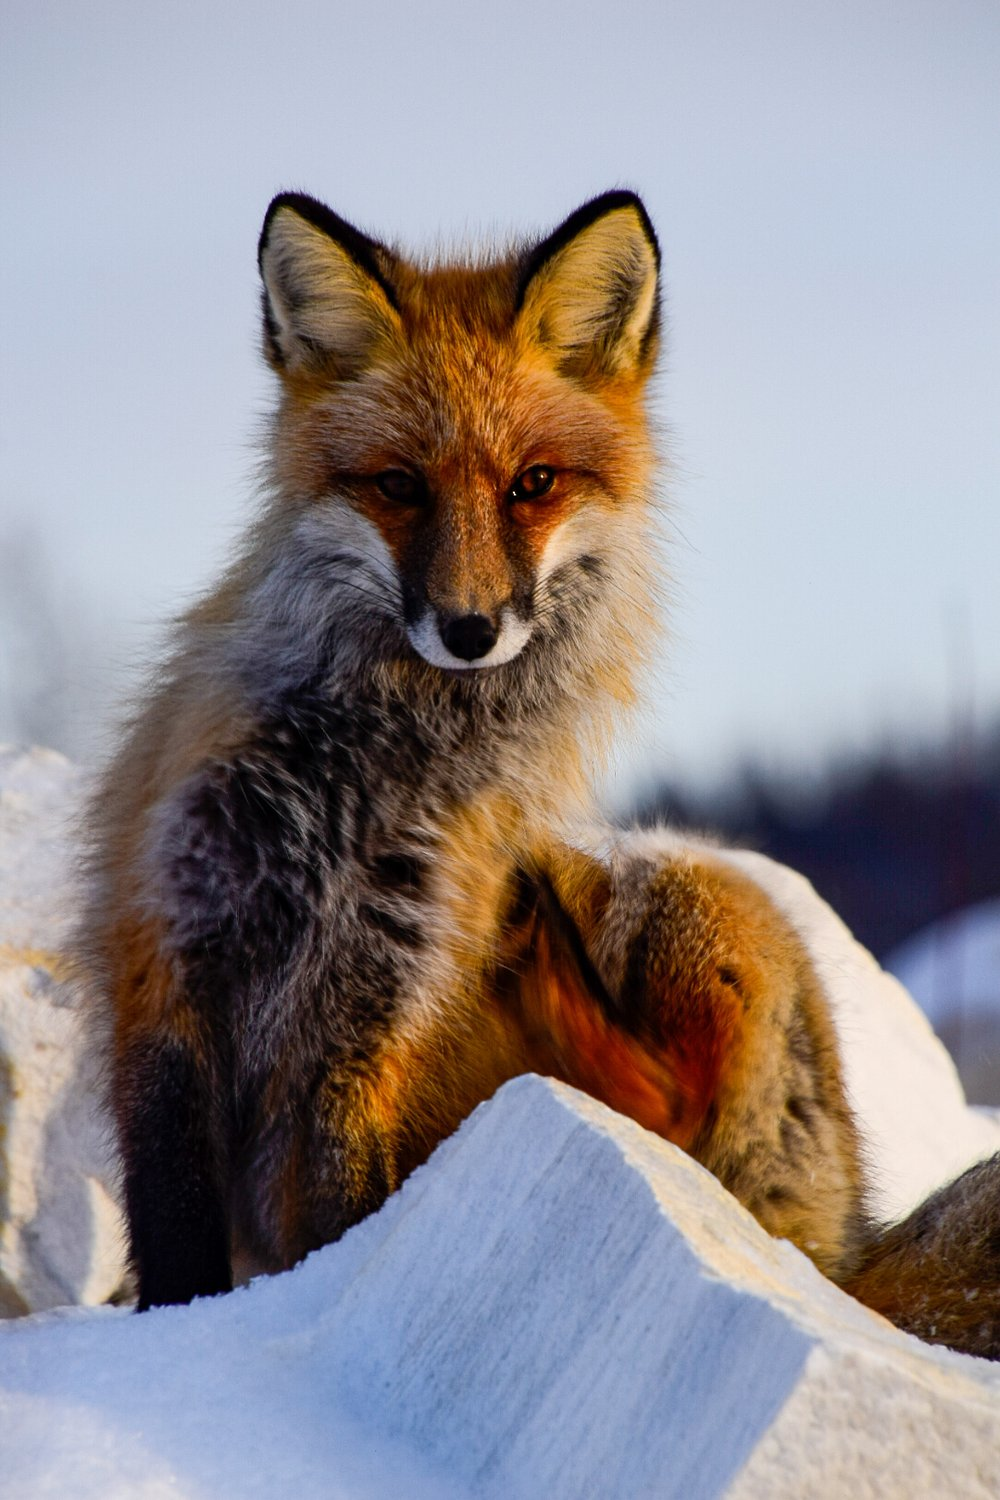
(215, 915)
(339, 1163)
(174, 1141)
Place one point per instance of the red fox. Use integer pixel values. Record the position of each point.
(336, 892)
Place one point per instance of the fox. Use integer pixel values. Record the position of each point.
(346, 871)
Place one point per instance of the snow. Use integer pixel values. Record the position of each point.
(60, 1230)
(952, 967)
(40, 796)
(222, 1399)
(558, 1304)
(918, 1130)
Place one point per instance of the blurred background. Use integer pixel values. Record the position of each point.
(823, 178)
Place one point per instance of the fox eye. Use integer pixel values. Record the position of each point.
(401, 486)
(533, 483)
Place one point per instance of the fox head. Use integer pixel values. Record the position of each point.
(463, 449)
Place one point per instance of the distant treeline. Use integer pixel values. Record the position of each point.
(892, 842)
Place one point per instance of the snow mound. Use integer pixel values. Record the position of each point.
(905, 1090)
(952, 967)
(60, 1229)
(917, 1128)
(558, 1304)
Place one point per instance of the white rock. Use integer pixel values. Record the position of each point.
(615, 1324)
(558, 1304)
(952, 969)
(904, 1088)
(60, 1230)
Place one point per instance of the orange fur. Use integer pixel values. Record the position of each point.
(332, 903)
(675, 992)
(571, 1037)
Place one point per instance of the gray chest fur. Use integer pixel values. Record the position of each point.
(300, 883)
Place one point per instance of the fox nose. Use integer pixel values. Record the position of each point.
(468, 636)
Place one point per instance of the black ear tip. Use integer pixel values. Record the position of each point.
(307, 208)
(606, 203)
(370, 254)
(588, 213)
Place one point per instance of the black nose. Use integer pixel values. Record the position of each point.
(468, 636)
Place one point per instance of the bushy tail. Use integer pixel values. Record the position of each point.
(937, 1273)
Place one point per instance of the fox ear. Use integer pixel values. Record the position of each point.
(590, 292)
(328, 300)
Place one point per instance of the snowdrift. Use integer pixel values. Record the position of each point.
(557, 1305)
(952, 968)
(60, 1231)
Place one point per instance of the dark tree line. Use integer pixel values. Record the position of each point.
(892, 842)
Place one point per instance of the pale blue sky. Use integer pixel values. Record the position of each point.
(824, 178)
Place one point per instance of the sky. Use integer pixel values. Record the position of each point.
(823, 178)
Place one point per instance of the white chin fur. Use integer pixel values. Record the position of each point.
(426, 640)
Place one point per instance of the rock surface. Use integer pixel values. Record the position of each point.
(626, 1328)
(903, 1086)
(60, 1231)
(557, 1305)
(952, 968)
